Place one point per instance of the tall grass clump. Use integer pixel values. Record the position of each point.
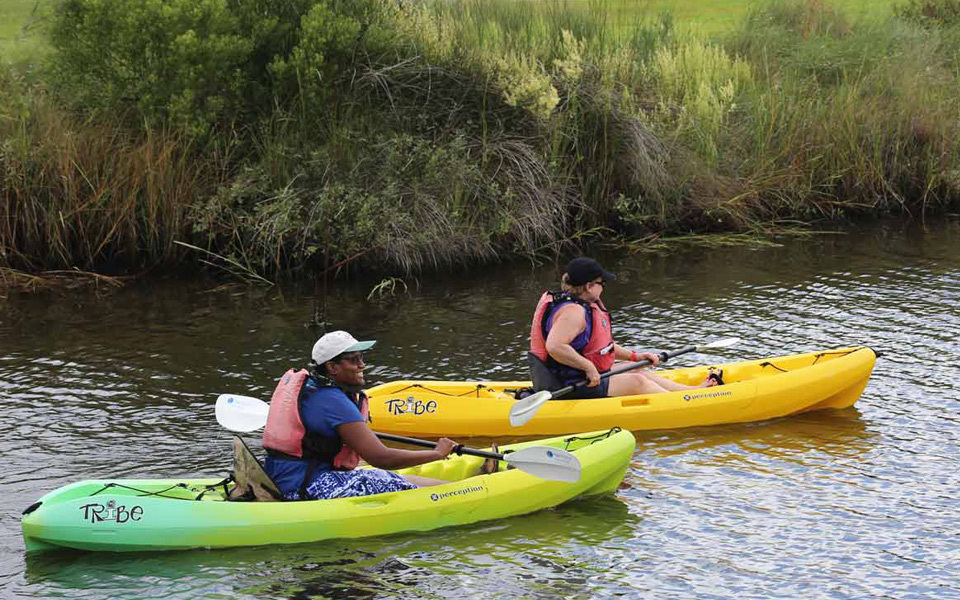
(930, 13)
(843, 120)
(86, 194)
(697, 84)
(576, 80)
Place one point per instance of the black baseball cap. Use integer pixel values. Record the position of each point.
(582, 269)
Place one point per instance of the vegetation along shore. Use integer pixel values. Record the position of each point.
(325, 136)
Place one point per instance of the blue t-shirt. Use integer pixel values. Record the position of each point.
(322, 409)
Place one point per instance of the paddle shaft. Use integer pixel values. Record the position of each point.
(664, 357)
(459, 449)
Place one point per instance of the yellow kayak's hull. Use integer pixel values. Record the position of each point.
(755, 390)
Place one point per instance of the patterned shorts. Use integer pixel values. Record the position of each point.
(359, 482)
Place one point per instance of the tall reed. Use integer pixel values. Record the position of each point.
(88, 193)
(843, 119)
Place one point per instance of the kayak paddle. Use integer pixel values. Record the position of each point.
(245, 414)
(524, 409)
(241, 413)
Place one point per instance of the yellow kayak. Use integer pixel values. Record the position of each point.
(754, 391)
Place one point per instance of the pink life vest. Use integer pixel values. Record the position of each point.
(599, 348)
(285, 431)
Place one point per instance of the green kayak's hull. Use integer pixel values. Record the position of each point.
(151, 514)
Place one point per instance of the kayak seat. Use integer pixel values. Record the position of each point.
(542, 377)
(252, 482)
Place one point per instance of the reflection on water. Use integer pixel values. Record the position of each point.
(822, 434)
(849, 504)
(529, 556)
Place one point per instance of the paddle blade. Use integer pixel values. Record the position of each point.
(720, 343)
(546, 463)
(241, 413)
(524, 409)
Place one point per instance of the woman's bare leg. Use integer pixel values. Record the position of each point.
(631, 384)
(673, 386)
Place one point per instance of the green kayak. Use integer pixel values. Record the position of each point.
(170, 514)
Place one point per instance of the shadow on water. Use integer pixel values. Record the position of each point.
(725, 453)
(548, 548)
(838, 433)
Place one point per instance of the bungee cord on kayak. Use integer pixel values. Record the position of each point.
(419, 386)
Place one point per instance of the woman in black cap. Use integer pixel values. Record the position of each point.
(571, 340)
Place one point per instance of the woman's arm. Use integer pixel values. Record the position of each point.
(568, 323)
(621, 353)
(361, 438)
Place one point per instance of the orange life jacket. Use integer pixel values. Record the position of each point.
(598, 348)
(286, 434)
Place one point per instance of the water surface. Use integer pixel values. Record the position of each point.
(859, 503)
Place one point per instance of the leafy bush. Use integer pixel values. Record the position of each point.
(198, 63)
(930, 12)
(402, 200)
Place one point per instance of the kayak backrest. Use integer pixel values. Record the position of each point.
(541, 376)
(252, 482)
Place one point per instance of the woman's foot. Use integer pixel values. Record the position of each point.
(714, 377)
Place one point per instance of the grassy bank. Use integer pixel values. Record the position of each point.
(22, 25)
(717, 17)
(326, 136)
(22, 21)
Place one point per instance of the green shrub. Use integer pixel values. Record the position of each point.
(198, 63)
(930, 12)
(401, 200)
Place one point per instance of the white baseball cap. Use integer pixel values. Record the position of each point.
(336, 343)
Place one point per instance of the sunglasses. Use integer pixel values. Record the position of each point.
(601, 283)
(356, 359)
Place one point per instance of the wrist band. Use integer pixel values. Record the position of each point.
(633, 356)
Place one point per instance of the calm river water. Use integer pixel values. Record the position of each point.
(860, 503)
